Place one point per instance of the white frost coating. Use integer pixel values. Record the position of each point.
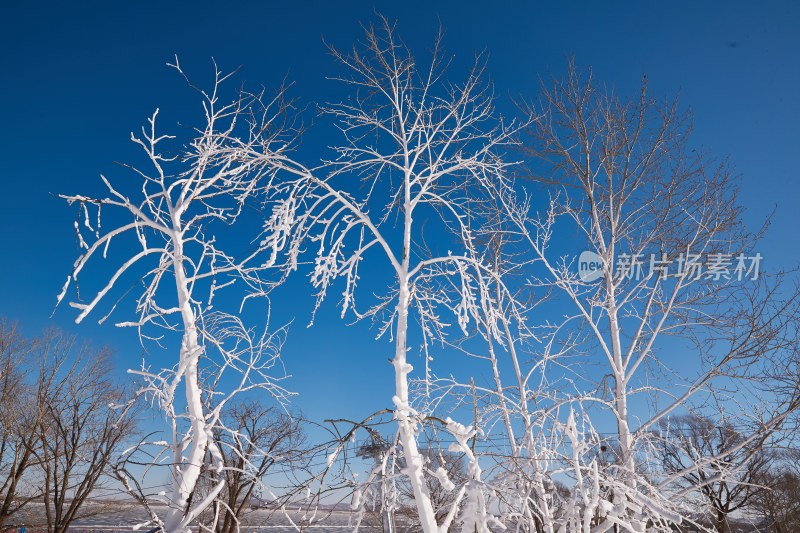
(657, 509)
(63, 290)
(331, 458)
(190, 191)
(461, 433)
(444, 479)
(355, 502)
(435, 146)
(613, 480)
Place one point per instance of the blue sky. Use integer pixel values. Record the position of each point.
(79, 77)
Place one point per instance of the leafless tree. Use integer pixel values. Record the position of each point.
(179, 258)
(87, 422)
(423, 149)
(776, 508)
(264, 439)
(21, 411)
(713, 462)
(63, 419)
(675, 276)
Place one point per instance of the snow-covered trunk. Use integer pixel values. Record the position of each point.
(621, 395)
(414, 460)
(186, 474)
(387, 494)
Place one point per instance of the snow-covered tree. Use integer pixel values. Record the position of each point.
(177, 253)
(426, 152)
(666, 298)
(621, 176)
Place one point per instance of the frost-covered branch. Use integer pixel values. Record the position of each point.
(177, 261)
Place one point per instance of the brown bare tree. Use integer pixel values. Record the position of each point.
(84, 425)
(713, 461)
(258, 440)
(777, 506)
(60, 427)
(21, 410)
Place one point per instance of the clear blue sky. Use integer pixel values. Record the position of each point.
(79, 77)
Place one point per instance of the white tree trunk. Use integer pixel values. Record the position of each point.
(414, 460)
(185, 475)
(621, 396)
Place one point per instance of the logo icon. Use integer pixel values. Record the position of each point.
(590, 266)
